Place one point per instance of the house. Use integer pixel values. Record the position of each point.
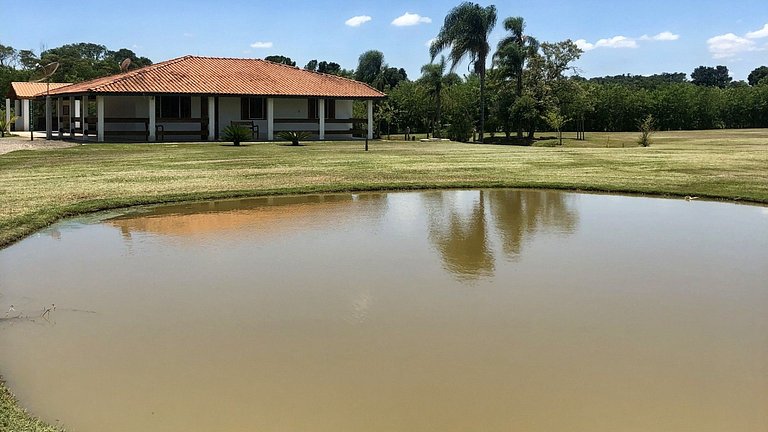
(20, 98)
(195, 98)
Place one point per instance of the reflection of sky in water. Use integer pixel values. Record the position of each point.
(450, 311)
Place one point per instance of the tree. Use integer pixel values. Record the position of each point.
(369, 66)
(512, 53)
(8, 55)
(757, 75)
(465, 31)
(711, 76)
(280, 59)
(647, 126)
(432, 77)
(556, 121)
(311, 66)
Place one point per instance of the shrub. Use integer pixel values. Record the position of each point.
(237, 134)
(294, 136)
(5, 126)
(647, 126)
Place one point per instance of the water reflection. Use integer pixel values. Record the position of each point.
(464, 225)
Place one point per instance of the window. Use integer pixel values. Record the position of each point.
(176, 107)
(330, 109)
(253, 108)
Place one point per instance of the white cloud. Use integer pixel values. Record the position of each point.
(663, 36)
(729, 45)
(758, 34)
(584, 45)
(261, 45)
(357, 21)
(429, 43)
(616, 42)
(410, 19)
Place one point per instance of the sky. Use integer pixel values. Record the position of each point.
(618, 37)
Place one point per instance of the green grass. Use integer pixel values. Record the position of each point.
(39, 187)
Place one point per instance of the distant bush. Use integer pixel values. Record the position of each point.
(294, 136)
(236, 134)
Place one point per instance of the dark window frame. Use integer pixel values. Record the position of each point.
(313, 109)
(250, 104)
(175, 106)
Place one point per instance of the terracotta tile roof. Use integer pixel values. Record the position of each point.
(231, 76)
(28, 90)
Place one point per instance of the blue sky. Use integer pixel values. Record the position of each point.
(637, 37)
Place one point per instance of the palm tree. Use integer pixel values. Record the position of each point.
(465, 31)
(432, 76)
(512, 53)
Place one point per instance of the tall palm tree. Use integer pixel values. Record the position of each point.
(465, 31)
(432, 76)
(512, 53)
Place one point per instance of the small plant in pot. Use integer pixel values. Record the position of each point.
(294, 136)
(236, 134)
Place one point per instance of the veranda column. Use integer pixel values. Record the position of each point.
(100, 118)
(370, 119)
(59, 117)
(48, 119)
(19, 114)
(152, 119)
(321, 115)
(270, 119)
(84, 116)
(72, 116)
(8, 112)
(211, 118)
(25, 122)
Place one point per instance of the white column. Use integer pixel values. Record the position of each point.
(270, 119)
(25, 122)
(8, 112)
(72, 116)
(100, 118)
(211, 118)
(59, 117)
(370, 119)
(321, 116)
(152, 119)
(48, 119)
(84, 116)
(19, 114)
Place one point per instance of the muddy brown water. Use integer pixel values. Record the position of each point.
(491, 310)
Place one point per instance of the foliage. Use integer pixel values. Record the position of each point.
(413, 104)
(465, 31)
(237, 134)
(280, 59)
(5, 126)
(372, 70)
(646, 126)
(294, 136)
(556, 120)
(461, 103)
(757, 75)
(711, 76)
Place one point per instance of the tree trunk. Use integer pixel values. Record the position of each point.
(519, 95)
(482, 101)
(437, 115)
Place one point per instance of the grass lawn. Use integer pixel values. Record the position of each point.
(41, 186)
(38, 187)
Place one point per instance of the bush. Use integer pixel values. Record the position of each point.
(237, 134)
(647, 126)
(294, 136)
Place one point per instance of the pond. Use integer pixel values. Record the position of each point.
(481, 310)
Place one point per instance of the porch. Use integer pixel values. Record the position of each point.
(179, 117)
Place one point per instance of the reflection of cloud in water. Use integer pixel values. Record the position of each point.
(361, 305)
(462, 224)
